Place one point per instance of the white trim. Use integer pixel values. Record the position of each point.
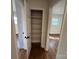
(35, 41)
(13, 33)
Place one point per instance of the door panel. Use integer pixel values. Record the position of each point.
(18, 13)
(24, 24)
(28, 26)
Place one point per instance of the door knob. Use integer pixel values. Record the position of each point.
(27, 37)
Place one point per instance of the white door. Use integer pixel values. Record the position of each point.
(23, 15)
(18, 12)
(28, 26)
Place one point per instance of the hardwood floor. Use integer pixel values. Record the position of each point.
(53, 44)
(38, 53)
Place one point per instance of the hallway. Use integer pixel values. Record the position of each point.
(39, 25)
(37, 52)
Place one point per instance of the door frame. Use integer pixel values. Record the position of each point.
(42, 45)
(63, 21)
(13, 36)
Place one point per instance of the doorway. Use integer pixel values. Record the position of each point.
(36, 25)
(37, 52)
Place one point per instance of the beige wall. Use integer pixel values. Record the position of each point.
(62, 48)
(41, 5)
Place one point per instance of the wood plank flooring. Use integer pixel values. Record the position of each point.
(38, 53)
(53, 44)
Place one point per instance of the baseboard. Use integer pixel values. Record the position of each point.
(35, 41)
(28, 53)
(46, 49)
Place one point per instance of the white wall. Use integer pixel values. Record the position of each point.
(41, 5)
(62, 48)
